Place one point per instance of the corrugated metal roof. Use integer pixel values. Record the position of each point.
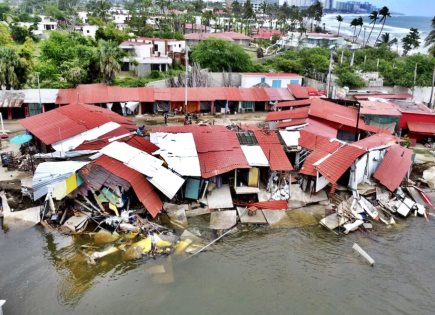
(308, 166)
(338, 114)
(218, 148)
(290, 123)
(312, 141)
(143, 189)
(376, 141)
(333, 167)
(70, 120)
(319, 128)
(276, 94)
(298, 103)
(421, 127)
(146, 95)
(298, 92)
(394, 166)
(378, 108)
(398, 96)
(48, 96)
(297, 113)
(11, 98)
(122, 94)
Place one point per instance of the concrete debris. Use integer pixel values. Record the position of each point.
(246, 218)
(220, 198)
(300, 198)
(429, 177)
(361, 252)
(223, 220)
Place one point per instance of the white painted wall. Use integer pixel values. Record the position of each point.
(251, 80)
(89, 30)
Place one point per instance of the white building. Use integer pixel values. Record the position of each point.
(149, 54)
(274, 80)
(83, 16)
(89, 30)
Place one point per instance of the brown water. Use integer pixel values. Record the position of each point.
(296, 269)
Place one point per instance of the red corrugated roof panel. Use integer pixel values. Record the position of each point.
(290, 123)
(270, 205)
(312, 141)
(402, 96)
(141, 186)
(92, 93)
(272, 148)
(218, 148)
(421, 127)
(298, 92)
(320, 128)
(146, 95)
(298, 103)
(394, 166)
(297, 113)
(70, 120)
(378, 108)
(375, 141)
(67, 96)
(122, 94)
(333, 167)
(102, 141)
(308, 167)
(279, 94)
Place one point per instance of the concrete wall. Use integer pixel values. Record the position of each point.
(251, 80)
(422, 94)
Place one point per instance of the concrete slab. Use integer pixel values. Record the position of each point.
(263, 195)
(220, 198)
(258, 218)
(197, 212)
(223, 220)
(299, 198)
(274, 217)
(330, 222)
(177, 213)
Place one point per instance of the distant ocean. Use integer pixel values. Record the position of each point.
(397, 25)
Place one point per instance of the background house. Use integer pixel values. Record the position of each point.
(275, 80)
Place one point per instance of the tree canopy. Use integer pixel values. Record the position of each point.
(221, 55)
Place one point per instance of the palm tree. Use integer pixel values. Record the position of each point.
(109, 60)
(339, 19)
(9, 64)
(373, 19)
(430, 39)
(386, 40)
(384, 13)
(360, 23)
(354, 24)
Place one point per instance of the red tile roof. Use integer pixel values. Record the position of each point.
(421, 127)
(297, 113)
(298, 103)
(333, 167)
(265, 33)
(299, 92)
(379, 108)
(394, 166)
(141, 186)
(70, 120)
(272, 148)
(218, 148)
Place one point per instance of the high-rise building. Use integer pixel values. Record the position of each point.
(329, 4)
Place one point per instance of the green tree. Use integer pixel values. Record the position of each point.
(221, 55)
(387, 40)
(411, 41)
(4, 9)
(5, 36)
(109, 32)
(430, 39)
(384, 13)
(373, 19)
(347, 77)
(12, 71)
(99, 8)
(236, 8)
(339, 19)
(360, 23)
(138, 17)
(109, 60)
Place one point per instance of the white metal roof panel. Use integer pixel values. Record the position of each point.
(254, 155)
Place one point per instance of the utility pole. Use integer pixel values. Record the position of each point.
(431, 100)
(331, 59)
(186, 58)
(357, 121)
(415, 79)
(353, 57)
(39, 91)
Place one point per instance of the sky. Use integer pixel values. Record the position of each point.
(408, 7)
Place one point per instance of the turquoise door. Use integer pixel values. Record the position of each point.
(276, 83)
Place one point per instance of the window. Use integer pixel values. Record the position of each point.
(294, 81)
(276, 83)
(263, 80)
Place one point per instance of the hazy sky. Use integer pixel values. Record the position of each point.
(408, 7)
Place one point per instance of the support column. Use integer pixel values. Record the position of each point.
(212, 109)
(43, 108)
(9, 113)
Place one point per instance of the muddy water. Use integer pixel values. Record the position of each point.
(298, 268)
